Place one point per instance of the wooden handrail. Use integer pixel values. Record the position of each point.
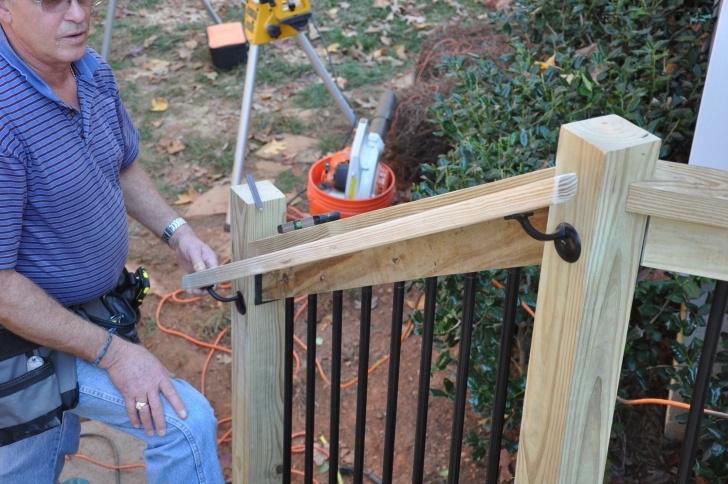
(297, 237)
(682, 192)
(688, 210)
(520, 198)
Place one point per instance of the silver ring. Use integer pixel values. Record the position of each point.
(140, 405)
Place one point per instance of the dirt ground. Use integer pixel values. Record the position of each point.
(205, 318)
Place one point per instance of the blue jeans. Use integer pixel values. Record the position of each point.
(187, 454)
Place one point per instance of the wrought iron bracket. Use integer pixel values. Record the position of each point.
(258, 281)
(566, 239)
(238, 299)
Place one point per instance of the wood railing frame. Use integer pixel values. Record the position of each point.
(583, 308)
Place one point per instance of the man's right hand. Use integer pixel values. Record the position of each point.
(141, 378)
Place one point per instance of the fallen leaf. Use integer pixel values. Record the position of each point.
(171, 146)
(596, 72)
(188, 197)
(149, 40)
(550, 62)
(586, 51)
(224, 359)
(184, 53)
(381, 4)
(274, 147)
(159, 104)
(504, 473)
(342, 83)
(325, 322)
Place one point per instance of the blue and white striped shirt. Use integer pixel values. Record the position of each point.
(62, 216)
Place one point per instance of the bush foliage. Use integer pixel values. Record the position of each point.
(572, 60)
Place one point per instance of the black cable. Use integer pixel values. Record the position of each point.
(296, 196)
(346, 470)
(117, 460)
(326, 47)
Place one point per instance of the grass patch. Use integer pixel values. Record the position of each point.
(287, 182)
(314, 96)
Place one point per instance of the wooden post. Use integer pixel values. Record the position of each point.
(257, 341)
(583, 308)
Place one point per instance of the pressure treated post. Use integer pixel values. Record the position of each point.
(257, 342)
(583, 308)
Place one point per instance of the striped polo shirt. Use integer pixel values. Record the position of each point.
(62, 217)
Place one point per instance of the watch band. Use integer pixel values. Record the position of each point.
(172, 228)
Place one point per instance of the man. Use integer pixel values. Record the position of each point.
(68, 178)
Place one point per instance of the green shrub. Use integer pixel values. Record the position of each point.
(644, 61)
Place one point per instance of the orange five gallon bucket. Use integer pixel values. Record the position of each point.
(322, 202)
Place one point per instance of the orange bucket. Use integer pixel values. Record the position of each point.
(321, 202)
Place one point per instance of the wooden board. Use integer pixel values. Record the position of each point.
(257, 341)
(369, 219)
(686, 248)
(683, 192)
(487, 245)
(523, 198)
(688, 227)
(583, 308)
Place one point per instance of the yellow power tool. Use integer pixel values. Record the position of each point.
(269, 20)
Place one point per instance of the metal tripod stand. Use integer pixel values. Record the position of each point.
(248, 89)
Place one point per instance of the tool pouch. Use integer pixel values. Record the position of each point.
(111, 311)
(37, 385)
(119, 309)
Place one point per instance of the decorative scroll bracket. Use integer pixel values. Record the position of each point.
(238, 299)
(566, 239)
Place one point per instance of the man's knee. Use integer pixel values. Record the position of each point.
(201, 420)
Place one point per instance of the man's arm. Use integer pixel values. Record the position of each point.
(147, 206)
(32, 314)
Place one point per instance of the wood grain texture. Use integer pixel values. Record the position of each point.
(488, 245)
(521, 198)
(683, 192)
(291, 239)
(687, 248)
(257, 340)
(583, 308)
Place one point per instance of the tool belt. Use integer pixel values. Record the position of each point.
(38, 384)
(118, 311)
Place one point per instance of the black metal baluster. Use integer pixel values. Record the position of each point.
(504, 367)
(288, 391)
(336, 326)
(395, 346)
(310, 387)
(363, 379)
(702, 381)
(423, 396)
(461, 386)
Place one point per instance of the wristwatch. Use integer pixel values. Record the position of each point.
(172, 228)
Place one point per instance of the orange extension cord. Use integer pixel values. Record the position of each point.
(294, 213)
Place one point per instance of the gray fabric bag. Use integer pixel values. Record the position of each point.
(37, 385)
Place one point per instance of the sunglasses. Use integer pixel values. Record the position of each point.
(58, 6)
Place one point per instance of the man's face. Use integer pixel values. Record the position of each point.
(46, 34)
